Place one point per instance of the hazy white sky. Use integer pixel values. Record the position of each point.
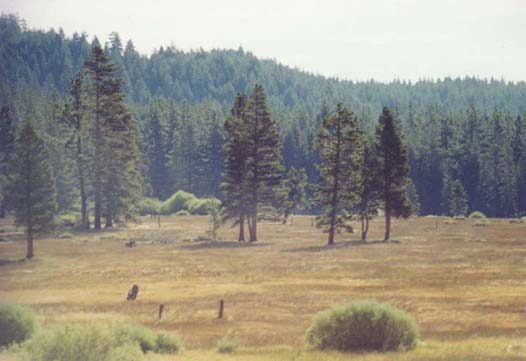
(353, 39)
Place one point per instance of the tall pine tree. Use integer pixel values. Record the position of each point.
(31, 192)
(393, 169)
(235, 165)
(340, 145)
(264, 163)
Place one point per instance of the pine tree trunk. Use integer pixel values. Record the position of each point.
(97, 162)
(387, 224)
(83, 197)
(254, 228)
(2, 208)
(109, 222)
(29, 254)
(241, 237)
(364, 231)
(335, 189)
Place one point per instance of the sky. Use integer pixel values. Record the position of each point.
(349, 39)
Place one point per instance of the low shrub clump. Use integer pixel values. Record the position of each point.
(179, 201)
(168, 343)
(149, 206)
(202, 206)
(182, 201)
(363, 326)
(97, 342)
(17, 323)
(477, 215)
(227, 345)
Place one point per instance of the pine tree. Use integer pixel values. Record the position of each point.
(156, 153)
(264, 163)
(235, 165)
(31, 191)
(393, 169)
(7, 145)
(296, 195)
(369, 202)
(117, 184)
(100, 74)
(458, 201)
(76, 119)
(340, 145)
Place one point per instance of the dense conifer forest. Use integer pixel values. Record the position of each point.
(465, 138)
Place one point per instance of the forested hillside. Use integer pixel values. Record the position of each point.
(466, 137)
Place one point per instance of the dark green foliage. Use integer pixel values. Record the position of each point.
(393, 169)
(295, 191)
(458, 203)
(263, 173)
(117, 183)
(31, 192)
(340, 145)
(369, 195)
(17, 323)
(465, 129)
(363, 326)
(235, 167)
(7, 146)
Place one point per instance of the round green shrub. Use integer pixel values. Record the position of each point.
(149, 206)
(168, 343)
(180, 200)
(477, 215)
(227, 345)
(17, 323)
(363, 326)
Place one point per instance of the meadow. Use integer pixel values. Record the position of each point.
(464, 284)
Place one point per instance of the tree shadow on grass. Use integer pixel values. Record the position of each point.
(340, 245)
(224, 245)
(6, 262)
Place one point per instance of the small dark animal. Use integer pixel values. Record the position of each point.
(130, 244)
(132, 293)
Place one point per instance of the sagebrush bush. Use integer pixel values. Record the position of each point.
(98, 342)
(168, 343)
(179, 201)
(128, 352)
(227, 345)
(17, 323)
(363, 326)
(477, 215)
(141, 335)
(149, 206)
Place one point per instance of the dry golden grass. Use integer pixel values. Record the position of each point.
(465, 285)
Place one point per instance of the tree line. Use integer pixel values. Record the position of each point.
(465, 137)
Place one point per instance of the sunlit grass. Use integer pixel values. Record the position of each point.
(463, 284)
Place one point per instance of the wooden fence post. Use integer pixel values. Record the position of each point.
(161, 309)
(221, 307)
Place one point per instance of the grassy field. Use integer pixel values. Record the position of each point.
(465, 285)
